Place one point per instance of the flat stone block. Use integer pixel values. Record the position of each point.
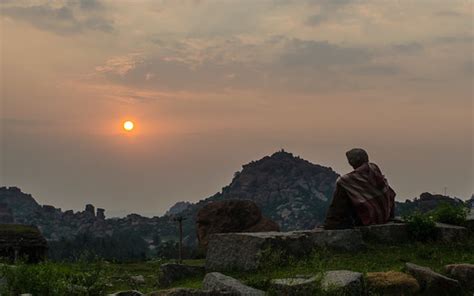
(393, 233)
(246, 251)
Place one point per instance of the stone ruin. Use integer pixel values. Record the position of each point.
(22, 242)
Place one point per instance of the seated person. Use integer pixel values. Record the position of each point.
(362, 197)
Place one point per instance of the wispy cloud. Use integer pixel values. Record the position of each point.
(67, 17)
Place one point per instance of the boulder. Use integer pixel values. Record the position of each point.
(432, 283)
(218, 282)
(343, 282)
(171, 272)
(231, 216)
(391, 283)
(464, 273)
(127, 293)
(188, 292)
(449, 233)
(294, 286)
(248, 251)
(390, 233)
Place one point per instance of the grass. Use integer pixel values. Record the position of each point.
(375, 258)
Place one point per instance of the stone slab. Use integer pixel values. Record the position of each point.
(343, 282)
(219, 282)
(247, 251)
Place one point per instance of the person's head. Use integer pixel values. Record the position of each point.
(357, 157)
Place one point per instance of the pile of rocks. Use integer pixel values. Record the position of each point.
(416, 280)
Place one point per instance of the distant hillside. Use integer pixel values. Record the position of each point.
(290, 190)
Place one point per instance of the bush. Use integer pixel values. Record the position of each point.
(421, 227)
(450, 214)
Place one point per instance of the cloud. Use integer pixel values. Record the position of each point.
(327, 9)
(121, 65)
(69, 17)
(277, 62)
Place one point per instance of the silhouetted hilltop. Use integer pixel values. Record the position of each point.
(291, 191)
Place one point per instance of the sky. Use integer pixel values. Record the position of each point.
(212, 85)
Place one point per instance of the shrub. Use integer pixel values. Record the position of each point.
(450, 214)
(421, 226)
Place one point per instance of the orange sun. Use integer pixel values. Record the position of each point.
(128, 125)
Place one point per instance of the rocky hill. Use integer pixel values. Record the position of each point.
(290, 191)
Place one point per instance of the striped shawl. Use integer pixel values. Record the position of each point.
(370, 194)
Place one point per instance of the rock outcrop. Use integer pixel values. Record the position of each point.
(464, 273)
(218, 282)
(343, 282)
(392, 283)
(231, 216)
(432, 283)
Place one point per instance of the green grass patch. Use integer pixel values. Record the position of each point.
(103, 277)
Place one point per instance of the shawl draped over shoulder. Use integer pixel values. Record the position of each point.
(373, 199)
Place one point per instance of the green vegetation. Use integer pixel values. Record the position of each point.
(450, 214)
(59, 278)
(422, 226)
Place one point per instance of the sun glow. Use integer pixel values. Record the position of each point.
(128, 125)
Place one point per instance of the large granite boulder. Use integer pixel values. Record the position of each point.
(432, 283)
(248, 251)
(343, 282)
(231, 216)
(294, 286)
(215, 281)
(391, 283)
(464, 273)
(171, 272)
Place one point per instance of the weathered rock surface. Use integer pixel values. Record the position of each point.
(218, 282)
(432, 283)
(343, 282)
(449, 233)
(391, 283)
(246, 251)
(171, 272)
(127, 293)
(294, 286)
(464, 273)
(231, 216)
(385, 233)
(188, 292)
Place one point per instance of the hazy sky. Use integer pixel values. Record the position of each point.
(212, 85)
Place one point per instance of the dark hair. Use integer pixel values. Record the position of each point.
(357, 157)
